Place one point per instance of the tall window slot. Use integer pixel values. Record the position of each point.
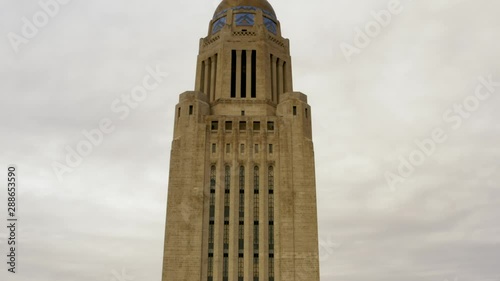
(254, 74)
(227, 189)
(244, 74)
(256, 186)
(241, 226)
(214, 76)
(284, 77)
(211, 224)
(273, 78)
(202, 77)
(271, 221)
(233, 74)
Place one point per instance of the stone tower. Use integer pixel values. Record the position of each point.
(242, 192)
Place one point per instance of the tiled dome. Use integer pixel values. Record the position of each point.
(259, 4)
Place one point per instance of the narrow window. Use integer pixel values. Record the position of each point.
(307, 113)
(202, 81)
(273, 78)
(225, 276)
(210, 268)
(227, 178)
(242, 148)
(227, 190)
(270, 148)
(214, 148)
(256, 269)
(190, 110)
(228, 147)
(211, 223)
(214, 75)
(244, 74)
(256, 148)
(179, 112)
(241, 226)
(242, 192)
(243, 125)
(284, 78)
(233, 74)
(229, 125)
(270, 178)
(256, 126)
(242, 113)
(270, 126)
(254, 74)
(294, 110)
(215, 125)
(240, 269)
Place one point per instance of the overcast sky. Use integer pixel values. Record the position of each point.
(438, 220)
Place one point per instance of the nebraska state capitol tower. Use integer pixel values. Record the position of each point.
(242, 191)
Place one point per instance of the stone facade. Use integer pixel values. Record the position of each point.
(242, 192)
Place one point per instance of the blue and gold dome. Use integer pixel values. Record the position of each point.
(234, 4)
(244, 12)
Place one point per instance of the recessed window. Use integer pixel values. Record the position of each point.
(307, 113)
(229, 125)
(243, 125)
(242, 113)
(179, 112)
(256, 126)
(214, 148)
(294, 110)
(228, 148)
(256, 148)
(190, 110)
(242, 148)
(270, 126)
(270, 148)
(215, 125)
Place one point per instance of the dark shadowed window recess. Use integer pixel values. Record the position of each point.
(233, 74)
(215, 125)
(254, 74)
(244, 74)
(256, 126)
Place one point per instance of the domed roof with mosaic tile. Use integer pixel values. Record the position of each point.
(231, 4)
